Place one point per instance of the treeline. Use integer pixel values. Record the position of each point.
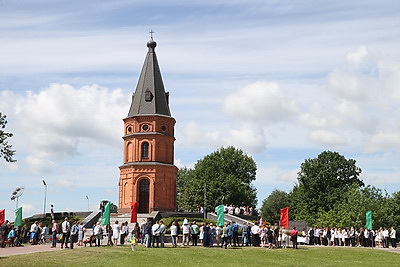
(329, 193)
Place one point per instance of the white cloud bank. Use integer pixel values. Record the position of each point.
(58, 121)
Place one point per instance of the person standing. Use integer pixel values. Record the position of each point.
(98, 233)
(33, 233)
(162, 231)
(81, 233)
(185, 233)
(44, 234)
(66, 228)
(142, 230)
(212, 234)
(224, 236)
(3, 233)
(255, 231)
(147, 234)
(155, 231)
(393, 237)
(123, 233)
(293, 237)
(115, 232)
(385, 237)
(174, 234)
(218, 231)
(194, 228)
(235, 232)
(74, 234)
(206, 236)
(54, 232)
(245, 234)
(52, 212)
(109, 232)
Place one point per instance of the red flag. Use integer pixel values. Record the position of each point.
(133, 212)
(284, 221)
(2, 216)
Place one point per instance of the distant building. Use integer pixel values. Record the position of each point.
(148, 174)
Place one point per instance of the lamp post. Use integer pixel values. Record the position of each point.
(45, 195)
(87, 202)
(16, 194)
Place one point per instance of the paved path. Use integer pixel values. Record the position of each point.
(27, 249)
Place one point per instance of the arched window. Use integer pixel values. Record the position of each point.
(145, 150)
(144, 193)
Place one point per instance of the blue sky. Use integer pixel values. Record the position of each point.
(282, 80)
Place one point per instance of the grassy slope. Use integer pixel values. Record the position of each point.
(123, 256)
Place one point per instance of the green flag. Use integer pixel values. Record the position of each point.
(220, 215)
(368, 220)
(105, 217)
(18, 217)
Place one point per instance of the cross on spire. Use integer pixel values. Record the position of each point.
(151, 34)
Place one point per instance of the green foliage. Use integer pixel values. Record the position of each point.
(321, 184)
(113, 208)
(6, 151)
(224, 176)
(271, 206)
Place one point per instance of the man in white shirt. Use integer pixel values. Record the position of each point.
(65, 227)
(385, 236)
(156, 234)
(393, 237)
(255, 230)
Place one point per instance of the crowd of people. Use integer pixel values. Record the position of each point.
(382, 238)
(153, 235)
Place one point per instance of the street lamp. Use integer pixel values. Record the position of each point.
(16, 194)
(87, 202)
(45, 195)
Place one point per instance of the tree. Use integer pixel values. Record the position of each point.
(113, 208)
(321, 184)
(271, 206)
(6, 151)
(223, 176)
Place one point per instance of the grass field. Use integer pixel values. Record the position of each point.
(199, 256)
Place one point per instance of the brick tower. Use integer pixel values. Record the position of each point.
(148, 174)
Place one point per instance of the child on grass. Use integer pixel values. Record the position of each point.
(133, 243)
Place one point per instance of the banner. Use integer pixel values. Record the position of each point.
(105, 217)
(2, 216)
(18, 217)
(133, 212)
(220, 215)
(284, 220)
(368, 220)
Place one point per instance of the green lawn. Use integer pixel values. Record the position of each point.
(199, 256)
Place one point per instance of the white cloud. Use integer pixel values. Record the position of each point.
(357, 56)
(327, 138)
(28, 208)
(64, 183)
(261, 102)
(56, 122)
(275, 175)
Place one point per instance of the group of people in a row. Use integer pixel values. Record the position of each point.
(208, 234)
(235, 210)
(382, 238)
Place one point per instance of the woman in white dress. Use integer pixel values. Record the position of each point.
(81, 231)
(115, 229)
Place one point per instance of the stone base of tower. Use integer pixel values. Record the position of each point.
(151, 185)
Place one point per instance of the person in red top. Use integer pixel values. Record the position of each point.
(293, 237)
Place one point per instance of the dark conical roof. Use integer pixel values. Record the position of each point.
(150, 97)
